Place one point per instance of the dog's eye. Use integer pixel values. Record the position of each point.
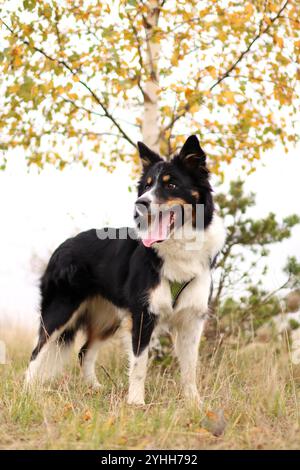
(171, 186)
(147, 186)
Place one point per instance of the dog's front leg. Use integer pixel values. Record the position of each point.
(137, 377)
(142, 327)
(188, 335)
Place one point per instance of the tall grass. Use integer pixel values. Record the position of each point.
(255, 387)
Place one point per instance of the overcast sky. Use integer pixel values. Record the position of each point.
(39, 211)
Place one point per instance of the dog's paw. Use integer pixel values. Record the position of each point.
(135, 400)
(93, 385)
(96, 386)
(136, 394)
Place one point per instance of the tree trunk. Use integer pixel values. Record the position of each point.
(150, 122)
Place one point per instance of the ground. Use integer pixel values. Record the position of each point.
(254, 387)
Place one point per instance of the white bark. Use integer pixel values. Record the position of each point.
(150, 122)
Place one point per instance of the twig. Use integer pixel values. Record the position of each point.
(64, 64)
(186, 108)
(109, 376)
(247, 50)
(140, 333)
(82, 108)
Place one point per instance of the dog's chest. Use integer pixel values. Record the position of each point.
(161, 299)
(193, 295)
(184, 262)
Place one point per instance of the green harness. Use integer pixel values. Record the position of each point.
(176, 288)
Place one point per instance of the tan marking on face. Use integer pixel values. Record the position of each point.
(175, 201)
(149, 180)
(166, 178)
(196, 195)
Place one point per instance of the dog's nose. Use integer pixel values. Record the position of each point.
(143, 201)
(142, 205)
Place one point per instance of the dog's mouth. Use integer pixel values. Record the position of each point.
(160, 227)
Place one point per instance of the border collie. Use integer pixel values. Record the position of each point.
(156, 274)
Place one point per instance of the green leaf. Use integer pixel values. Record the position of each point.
(29, 4)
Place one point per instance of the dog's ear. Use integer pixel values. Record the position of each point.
(192, 154)
(148, 157)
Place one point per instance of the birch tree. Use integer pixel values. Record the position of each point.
(83, 80)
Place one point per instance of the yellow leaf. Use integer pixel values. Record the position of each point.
(73, 96)
(16, 51)
(267, 20)
(212, 415)
(27, 29)
(188, 92)
(17, 61)
(249, 9)
(14, 88)
(87, 415)
(278, 40)
(222, 35)
(212, 71)
(174, 59)
(273, 7)
(202, 431)
(229, 96)
(195, 107)
(207, 93)
(34, 91)
(236, 19)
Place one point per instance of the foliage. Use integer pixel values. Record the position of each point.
(239, 292)
(74, 75)
(292, 268)
(261, 408)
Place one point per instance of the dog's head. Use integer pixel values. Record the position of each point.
(169, 192)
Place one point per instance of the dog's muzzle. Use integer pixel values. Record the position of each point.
(142, 206)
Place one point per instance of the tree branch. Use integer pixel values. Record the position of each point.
(247, 50)
(81, 108)
(139, 49)
(64, 64)
(275, 291)
(136, 35)
(91, 111)
(181, 112)
(66, 131)
(297, 22)
(261, 32)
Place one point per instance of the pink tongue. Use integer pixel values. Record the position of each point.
(158, 230)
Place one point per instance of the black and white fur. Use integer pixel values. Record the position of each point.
(94, 285)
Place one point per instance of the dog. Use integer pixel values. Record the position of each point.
(155, 274)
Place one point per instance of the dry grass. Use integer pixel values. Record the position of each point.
(254, 386)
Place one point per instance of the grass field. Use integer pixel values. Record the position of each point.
(255, 388)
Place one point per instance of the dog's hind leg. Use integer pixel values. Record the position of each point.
(49, 362)
(87, 357)
(55, 340)
(101, 321)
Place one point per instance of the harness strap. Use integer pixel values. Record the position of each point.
(176, 289)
